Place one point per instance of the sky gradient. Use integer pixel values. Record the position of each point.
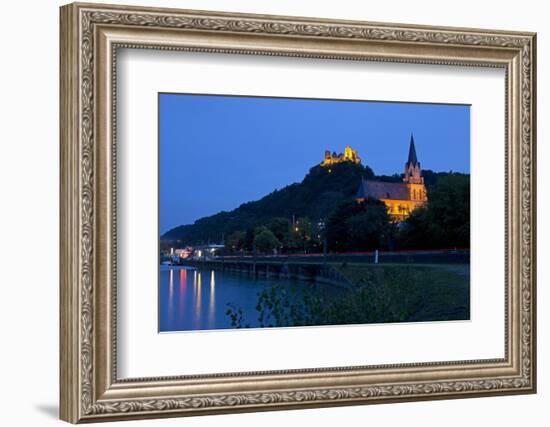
(217, 152)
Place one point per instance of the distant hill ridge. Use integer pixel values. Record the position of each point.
(315, 197)
(321, 190)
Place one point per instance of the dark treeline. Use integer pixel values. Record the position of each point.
(299, 217)
(445, 221)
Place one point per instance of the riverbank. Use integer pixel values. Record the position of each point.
(243, 294)
(321, 273)
(415, 292)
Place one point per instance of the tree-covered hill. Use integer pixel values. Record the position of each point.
(315, 197)
(294, 218)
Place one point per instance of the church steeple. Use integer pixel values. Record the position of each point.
(412, 152)
(412, 167)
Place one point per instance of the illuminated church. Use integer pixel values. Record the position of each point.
(400, 198)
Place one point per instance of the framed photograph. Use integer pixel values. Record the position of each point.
(266, 212)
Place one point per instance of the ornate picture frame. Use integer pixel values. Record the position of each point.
(90, 37)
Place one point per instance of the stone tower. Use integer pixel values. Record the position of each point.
(351, 155)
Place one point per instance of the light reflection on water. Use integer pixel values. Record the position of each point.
(181, 300)
(182, 292)
(171, 296)
(212, 304)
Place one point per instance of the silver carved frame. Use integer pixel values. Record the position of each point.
(90, 36)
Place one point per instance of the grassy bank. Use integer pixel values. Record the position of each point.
(380, 293)
(413, 292)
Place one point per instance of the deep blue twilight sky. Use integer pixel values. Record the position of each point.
(217, 152)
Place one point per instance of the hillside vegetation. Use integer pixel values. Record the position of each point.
(298, 217)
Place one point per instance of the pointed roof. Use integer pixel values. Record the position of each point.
(412, 152)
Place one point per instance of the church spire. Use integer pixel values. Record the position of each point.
(412, 152)
(413, 172)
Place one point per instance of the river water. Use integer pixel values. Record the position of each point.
(191, 299)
